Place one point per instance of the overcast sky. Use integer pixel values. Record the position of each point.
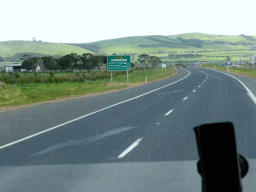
(83, 21)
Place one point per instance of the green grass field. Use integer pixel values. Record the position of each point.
(9, 48)
(208, 37)
(13, 95)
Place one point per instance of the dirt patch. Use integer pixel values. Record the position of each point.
(131, 85)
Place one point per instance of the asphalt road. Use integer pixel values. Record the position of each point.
(145, 143)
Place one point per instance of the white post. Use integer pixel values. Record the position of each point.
(227, 69)
(111, 76)
(214, 66)
(127, 77)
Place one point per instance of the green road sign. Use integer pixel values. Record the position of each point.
(119, 62)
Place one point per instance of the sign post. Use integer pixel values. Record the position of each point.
(163, 66)
(119, 63)
(127, 77)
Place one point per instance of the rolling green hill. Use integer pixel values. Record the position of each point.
(219, 46)
(9, 48)
(224, 38)
(210, 47)
(156, 43)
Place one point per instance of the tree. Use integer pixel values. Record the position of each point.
(105, 60)
(88, 61)
(100, 59)
(38, 63)
(49, 63)
(31, 63)
(35, 62)
(143, 59)
(75, 58)
(80, 66)
(25, 56)
(154, 61)
(57, 67)
(65, 62)
(27, 64)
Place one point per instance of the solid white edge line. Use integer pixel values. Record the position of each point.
(252, 97)
(169, 112)
(194, 91)
(185, 98)
(28, 137)
(250, 94)
(129, 148)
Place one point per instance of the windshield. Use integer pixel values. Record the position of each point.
(104, 95)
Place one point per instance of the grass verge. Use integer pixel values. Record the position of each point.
(22, 95)
(237, 71)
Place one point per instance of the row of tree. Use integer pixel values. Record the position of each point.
(86, 61)
(69, 62)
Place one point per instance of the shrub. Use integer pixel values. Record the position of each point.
(52, 74)
(93, 73)
(31, 79)
(93, 78)
(3, 86)
(77, 74)
(7, 80)
(11, 74)
(87, 77)
(13, 80)
(3, 73)
(80, 79)
(17, 75)
(65, 79)
(38, 80)
(51, 80)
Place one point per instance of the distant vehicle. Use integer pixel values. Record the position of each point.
(234, 65)
(184, 65)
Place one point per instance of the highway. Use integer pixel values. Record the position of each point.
(135, 140)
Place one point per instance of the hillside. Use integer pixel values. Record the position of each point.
(10, 48)
(211, 47)
(156, 43)
(182, 47)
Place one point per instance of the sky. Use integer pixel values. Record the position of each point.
(83, 21)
